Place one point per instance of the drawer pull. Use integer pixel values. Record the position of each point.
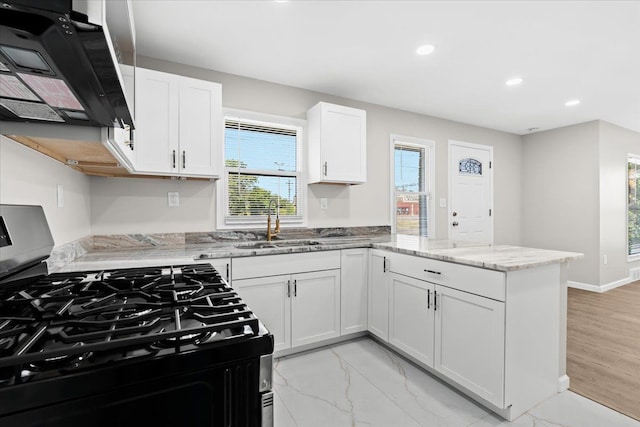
(432, 271)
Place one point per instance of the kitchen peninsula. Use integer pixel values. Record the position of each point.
(489, 320)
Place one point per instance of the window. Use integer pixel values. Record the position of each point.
(412, 175)
(262, 163)
(633, 213)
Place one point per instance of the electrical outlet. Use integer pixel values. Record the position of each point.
(60, 192)
(323, 203)
(443, 203)
(605, 260)
(173, 199)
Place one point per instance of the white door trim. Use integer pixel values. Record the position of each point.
(489, 148)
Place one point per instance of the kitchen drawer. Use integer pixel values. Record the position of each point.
(479, 281)
(273, 265)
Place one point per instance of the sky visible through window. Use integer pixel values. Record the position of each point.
(408, 169)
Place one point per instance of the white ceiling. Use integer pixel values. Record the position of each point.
(365, 50)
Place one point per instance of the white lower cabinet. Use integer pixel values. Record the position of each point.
(378, 313)
(353, 290)
(315, 307)
(269, 300)
(411, 317)
(469, 342)
(459, 334)
(299, 308)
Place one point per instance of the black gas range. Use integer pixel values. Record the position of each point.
(166, 346)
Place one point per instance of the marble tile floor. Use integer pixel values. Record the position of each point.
(361, 383)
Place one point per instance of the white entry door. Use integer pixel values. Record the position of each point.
(470, 192)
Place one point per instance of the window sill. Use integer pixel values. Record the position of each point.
(633, 258)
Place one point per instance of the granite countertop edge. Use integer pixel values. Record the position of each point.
(493, 257)
(538, 257)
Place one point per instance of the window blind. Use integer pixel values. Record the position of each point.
(261, 165)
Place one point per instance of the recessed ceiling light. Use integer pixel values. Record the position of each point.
(425, 49)
(572, 103)
(514, 81)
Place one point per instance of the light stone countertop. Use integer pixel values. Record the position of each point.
(493, 257)
(501, 257)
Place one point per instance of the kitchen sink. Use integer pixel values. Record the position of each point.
(256, 245)
(276, 244)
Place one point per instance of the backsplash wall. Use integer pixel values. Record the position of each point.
(30, 178)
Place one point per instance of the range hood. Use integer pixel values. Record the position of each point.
(66, 69)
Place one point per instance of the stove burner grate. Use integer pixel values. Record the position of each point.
(62, 320)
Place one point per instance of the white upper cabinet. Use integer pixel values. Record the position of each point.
(337, 144)
(178, 125)
(200, 127)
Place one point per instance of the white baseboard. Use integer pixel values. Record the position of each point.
(601, 288)
(563, 383)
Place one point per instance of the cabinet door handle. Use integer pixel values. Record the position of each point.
(184, 159)
(435, 300)
(432, 271)
(428, 299)
(295, 288)
(325, 168)
(384, 264)
(173, 162)
(288, 288)
(227, 272)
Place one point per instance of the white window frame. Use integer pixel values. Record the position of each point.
(634, 257)
(430, 150)
(224, 222)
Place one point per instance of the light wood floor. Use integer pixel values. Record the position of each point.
(603, 347)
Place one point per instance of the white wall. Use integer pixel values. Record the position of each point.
(134, 207)
(575, 186)
(30, 178)
(615, 144)
(139, 205)
(561, 195)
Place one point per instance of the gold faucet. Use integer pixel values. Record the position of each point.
(277, 229)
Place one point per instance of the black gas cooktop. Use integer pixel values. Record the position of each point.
(68, 321)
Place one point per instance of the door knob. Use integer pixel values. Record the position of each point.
(454, 213)
(455, 223)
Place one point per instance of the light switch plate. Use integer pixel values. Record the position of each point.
(173, 199)
(443, 203)
(324, 203)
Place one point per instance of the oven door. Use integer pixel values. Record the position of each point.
(220, 396)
